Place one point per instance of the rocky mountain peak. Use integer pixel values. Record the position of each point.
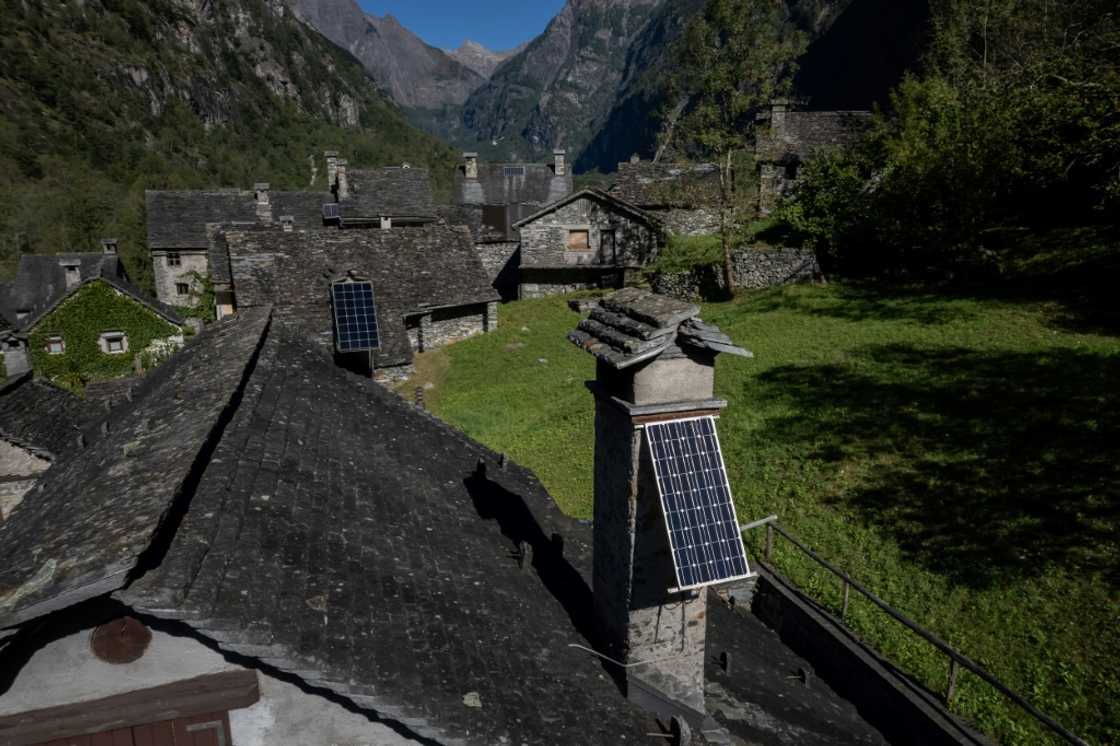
(480, 59)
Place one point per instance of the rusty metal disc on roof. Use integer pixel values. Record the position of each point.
(120, 641)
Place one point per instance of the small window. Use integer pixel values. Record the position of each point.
(174, 259)
(579, 240)
(182, 288)
(56, 346)
(114, 343)
(72, 270)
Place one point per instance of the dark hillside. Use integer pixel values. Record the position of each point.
(102, 99)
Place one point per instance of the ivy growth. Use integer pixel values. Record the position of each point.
(81, 320)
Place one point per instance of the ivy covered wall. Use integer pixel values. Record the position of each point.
(80, 320)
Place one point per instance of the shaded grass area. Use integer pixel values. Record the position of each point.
(956, 454)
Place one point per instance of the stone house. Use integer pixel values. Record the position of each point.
(683, 197)
(42, 283)
(177, 220)
(589, 239)
(490, 198)
(786, 137)
(428, 283)
(301, 557)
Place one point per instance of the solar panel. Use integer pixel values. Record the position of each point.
(355, 317)
(331, 211)
(696, 500)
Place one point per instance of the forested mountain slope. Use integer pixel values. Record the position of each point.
(102, 99)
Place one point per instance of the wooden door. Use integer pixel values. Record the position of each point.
(200, 730)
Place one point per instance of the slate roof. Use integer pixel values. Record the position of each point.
(512, 183)
(159, 308)
(41, 280)
(116, 493)
(635, 325)
(177, 219)
(614, 202)
(44, 418)
(412, 270)
(389, 192)
(651, 185)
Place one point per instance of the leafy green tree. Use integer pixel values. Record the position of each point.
(735, 57)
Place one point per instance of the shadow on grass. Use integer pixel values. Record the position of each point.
(984, 465)
(866, 303)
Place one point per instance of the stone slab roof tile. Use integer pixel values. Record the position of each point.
(413, 270)
(803, 133)
(634, 325)
(177, 219)
(668, 185)
(116, 493)
(342, 534)
(119, 284)
(43, 417)
(389, 192)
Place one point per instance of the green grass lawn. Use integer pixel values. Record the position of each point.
(957, 455)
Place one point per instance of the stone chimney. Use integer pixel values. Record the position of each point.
(72, 270)
(779, 107)
(332, 168)
(264, 205)
(287, 222)
(343, 180)
(470, 165)
(560, 162)
(655, 363)
(109, 245)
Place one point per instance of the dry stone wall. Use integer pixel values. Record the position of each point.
(753, 269)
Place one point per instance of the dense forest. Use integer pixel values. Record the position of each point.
(102, 99)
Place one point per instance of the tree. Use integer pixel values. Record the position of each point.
(735, 57)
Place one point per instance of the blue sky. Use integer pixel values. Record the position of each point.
(497, 24)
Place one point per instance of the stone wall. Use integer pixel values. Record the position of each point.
(442, 327)
(501, 262)
(754, 269)
(540, 283)
(699, 222)
(167, 277)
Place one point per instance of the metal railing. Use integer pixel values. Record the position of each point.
(956, 659)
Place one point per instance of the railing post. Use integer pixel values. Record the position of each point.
(951, 689)
(769, 541)
(844, 607)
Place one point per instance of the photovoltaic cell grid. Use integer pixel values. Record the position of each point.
(696, 500)
(355, 318)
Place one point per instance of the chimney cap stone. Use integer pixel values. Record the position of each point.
(261, 186)
(330, 153)
(635, 325)
(470, 155)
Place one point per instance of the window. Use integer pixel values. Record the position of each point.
(114, 343)
(174, 259)
(182, 288)
(579, 240)
(56, 346)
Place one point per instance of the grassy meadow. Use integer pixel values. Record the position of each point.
(955, 454)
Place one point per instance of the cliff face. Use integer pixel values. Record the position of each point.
(560, 88)
(413, 73)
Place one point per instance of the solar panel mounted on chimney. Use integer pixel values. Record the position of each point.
(355, 317)
(696, 499)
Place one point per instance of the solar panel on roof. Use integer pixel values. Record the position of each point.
(355, 317)
(696, 500)
(331, 211)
